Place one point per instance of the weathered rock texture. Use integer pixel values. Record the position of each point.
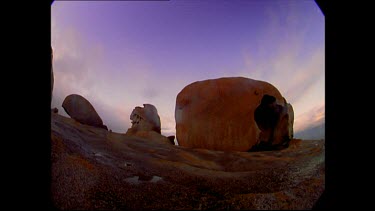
(81, 110)
(144, 119)
(93, 169)
(219, 114)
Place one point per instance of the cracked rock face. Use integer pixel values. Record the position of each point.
(233, 114)
(81, 110)
(145, 119)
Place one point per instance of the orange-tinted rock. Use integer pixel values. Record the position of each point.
(218, 114)
(81, 110)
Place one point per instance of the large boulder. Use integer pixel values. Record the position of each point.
(81, 110)
(144, 119)
(219, 114)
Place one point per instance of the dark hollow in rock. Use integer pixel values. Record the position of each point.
(171, 139)
(267, 113)
(267, 116)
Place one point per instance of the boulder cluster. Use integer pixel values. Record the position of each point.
(95, 168)
(226, 114)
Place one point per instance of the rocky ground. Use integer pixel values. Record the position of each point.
(93, 168)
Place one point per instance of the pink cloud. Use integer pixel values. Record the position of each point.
(311, 118)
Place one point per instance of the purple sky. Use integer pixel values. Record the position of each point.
(122, 54)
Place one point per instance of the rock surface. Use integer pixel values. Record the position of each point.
(144, 119)
(93, 169)
(81, 110)
(219, 114)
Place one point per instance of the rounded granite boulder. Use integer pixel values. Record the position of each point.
(81, 110)
(219, 114)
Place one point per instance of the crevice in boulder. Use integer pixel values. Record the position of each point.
(266, 117)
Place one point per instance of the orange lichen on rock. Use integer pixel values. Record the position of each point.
(76, 160)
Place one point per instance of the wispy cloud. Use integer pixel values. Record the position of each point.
(168, 125)
(310, 118)
(280, 57)
(116, 81)
(116, 118)
(78, 69)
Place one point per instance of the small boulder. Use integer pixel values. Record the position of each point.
(81, 110)
(144, 119)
